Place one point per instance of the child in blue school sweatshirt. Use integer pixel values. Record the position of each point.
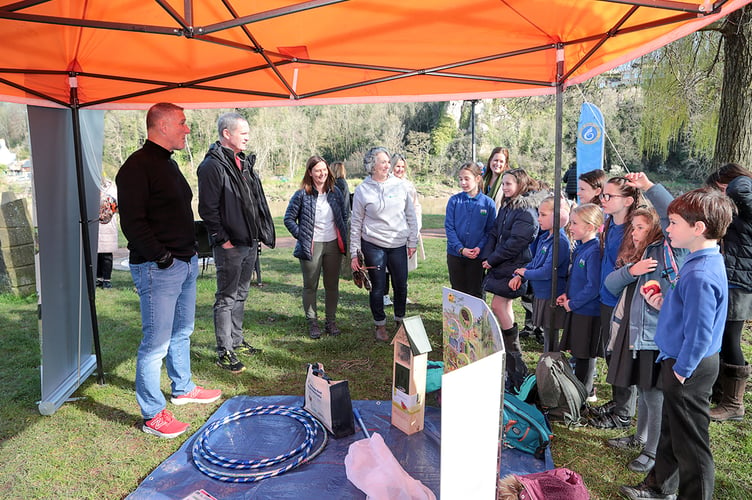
(540, 273)
(688, 336)
(582, 300)
(470, 216)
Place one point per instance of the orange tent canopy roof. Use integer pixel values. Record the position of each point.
(132, 53)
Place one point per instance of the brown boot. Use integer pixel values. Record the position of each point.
(313, 329)
(734, 382)
(331, 328)
(381, 333)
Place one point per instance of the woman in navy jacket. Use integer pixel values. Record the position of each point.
(316, 217)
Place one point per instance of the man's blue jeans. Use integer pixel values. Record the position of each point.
(394, 259)
(168, 309)
(234, 268)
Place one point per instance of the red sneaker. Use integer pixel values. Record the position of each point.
(197, 395)
(164, 425)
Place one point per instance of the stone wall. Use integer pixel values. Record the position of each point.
(17, 271)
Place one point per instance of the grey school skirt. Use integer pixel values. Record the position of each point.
(546, 316)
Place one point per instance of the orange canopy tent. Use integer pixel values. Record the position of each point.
(129, 54)
(225, 53)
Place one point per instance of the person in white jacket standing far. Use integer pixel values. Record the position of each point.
(385, 229)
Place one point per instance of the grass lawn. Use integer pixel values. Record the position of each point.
(93, 448)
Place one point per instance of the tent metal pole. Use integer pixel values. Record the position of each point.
(84, 221)
(472, 127)
(557, 171)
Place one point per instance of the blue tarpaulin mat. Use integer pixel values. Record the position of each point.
(419, 454)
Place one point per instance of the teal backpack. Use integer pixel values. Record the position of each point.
(525, 427)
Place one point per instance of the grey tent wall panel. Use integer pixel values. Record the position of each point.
(65, 323)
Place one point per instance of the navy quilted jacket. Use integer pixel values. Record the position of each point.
(737, 244)
(300, 217)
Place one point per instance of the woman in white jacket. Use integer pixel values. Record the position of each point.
(107, 242)
(385, 229)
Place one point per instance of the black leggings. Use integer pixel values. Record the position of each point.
(104, 266)
(731, 346)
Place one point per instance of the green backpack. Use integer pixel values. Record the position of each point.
(561, 395)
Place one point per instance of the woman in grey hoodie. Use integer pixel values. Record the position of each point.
(385, 229)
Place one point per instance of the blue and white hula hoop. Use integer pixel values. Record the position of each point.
(236, 470)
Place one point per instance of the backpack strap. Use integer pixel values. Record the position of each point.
(671, 270)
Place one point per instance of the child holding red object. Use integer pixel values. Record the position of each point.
(688, 335)
(619, 198)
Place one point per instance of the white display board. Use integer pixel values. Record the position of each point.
(471, 398)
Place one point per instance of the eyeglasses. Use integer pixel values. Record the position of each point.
(607, 197)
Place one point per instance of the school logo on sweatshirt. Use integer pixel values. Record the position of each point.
(581, 263)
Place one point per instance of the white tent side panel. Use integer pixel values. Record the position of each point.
(64, 319)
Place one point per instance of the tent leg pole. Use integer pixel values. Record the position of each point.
(86, 239)
(472, 127)
(557, 170)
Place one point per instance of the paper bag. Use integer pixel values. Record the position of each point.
(329, 401)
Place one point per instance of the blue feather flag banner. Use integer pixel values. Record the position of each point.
(590, 134)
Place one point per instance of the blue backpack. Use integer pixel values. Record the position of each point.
(525, 427)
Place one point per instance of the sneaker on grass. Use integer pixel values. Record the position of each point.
(197, 395)
(245, 349)
(229, 361)
(164, 425)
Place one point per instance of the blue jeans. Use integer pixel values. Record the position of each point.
(234, 268)
(394, 259)
(168, 309)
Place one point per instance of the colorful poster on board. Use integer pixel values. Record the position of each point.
(590, 139)
(471, 331)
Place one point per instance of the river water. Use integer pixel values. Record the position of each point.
(432, 205)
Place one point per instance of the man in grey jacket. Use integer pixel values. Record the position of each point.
(232, 203)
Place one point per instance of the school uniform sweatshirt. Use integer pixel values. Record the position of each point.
(468, 221)
(691, 321)
(540, 270)
(584, 280)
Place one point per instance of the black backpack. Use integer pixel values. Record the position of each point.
(561, 395)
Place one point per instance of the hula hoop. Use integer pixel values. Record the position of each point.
(236, 470)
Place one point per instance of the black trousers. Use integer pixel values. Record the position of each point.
(104, 266)
(683, 459)
(466, 275)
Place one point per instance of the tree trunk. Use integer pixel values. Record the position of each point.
(734, 140)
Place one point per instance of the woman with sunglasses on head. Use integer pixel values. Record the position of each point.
(619, 199)
(399, 170)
